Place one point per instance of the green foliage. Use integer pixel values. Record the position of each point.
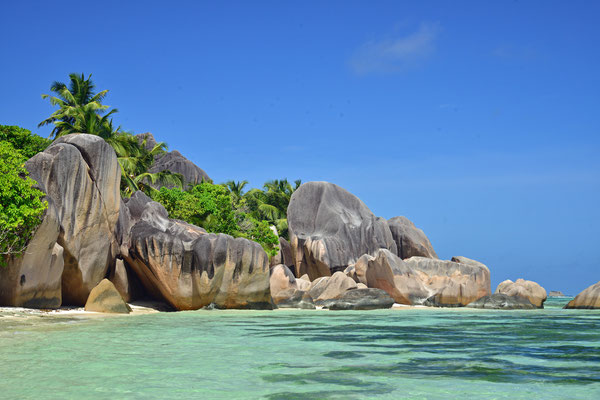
(211, 207)
(21, 205)
(205, 205)
(23, 140)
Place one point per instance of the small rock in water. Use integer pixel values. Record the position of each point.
(361, 299)
(500, 301)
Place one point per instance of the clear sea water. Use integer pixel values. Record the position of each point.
(387, 354)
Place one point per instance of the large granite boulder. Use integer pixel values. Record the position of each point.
(175, 162)
(105, 298)
(331, 228)
(189, 268)
(588, 299)
(294, 298)
(454, 284)
(282, 280)
(500, 301)
(361, 299)
(410, 240)
(81, 176)
(526, 289)
(33, 279)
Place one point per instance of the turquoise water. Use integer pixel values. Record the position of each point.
(388, 354)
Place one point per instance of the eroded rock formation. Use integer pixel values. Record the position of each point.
(500, 301)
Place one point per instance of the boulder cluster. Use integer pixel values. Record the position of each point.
(93, 245)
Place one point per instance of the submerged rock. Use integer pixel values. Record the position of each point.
(294, 298)
(190, 268)
(361, 299)
(500, 301)
(527, 289)
(105, 298)
(410, 240)
(588, 299)
(330, 228)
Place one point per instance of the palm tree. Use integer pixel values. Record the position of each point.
(136, 160)
(236, 189)
(77, 101)
(271, 203)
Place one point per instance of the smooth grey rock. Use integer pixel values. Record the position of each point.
(81, 176)
(361, 299)
(410, 240)
(499, 301)
(330, 228)
(33, 279)
(175, 162)
(189, 268)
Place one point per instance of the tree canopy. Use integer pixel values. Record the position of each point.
(23, 140)
(21, 205)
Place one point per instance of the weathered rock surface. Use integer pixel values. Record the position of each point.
(526, 289)
(454, 284)
(294, 298)
(377, 272)
(34, 279)
(189, 268)
(105, 298)
(81, 176)
(330, 287)
(555, 293)
(175, 162)
(410, 240)
(331, 228)
(500, 301)
(588, 299)
(284, 255)
(361, 299)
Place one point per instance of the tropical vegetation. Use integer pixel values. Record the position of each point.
(23, 140)
(21, 205)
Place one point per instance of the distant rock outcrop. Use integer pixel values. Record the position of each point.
(555, 293)
(190, 268)
(410, 240)
(175, 162)
(331, 228)
(588, 299)
(500, 301)
(527, 289)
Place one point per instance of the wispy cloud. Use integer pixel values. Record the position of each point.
(396, 54)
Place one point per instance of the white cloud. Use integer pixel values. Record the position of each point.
(396, 54)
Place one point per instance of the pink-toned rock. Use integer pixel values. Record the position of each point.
(333, 287)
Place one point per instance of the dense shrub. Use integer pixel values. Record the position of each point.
(21, 205)
(209, 206)
(23, 140)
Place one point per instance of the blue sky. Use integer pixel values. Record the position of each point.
(477, 120)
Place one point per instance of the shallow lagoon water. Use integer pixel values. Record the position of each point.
(303, 354)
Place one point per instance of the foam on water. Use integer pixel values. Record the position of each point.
(293, 354)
